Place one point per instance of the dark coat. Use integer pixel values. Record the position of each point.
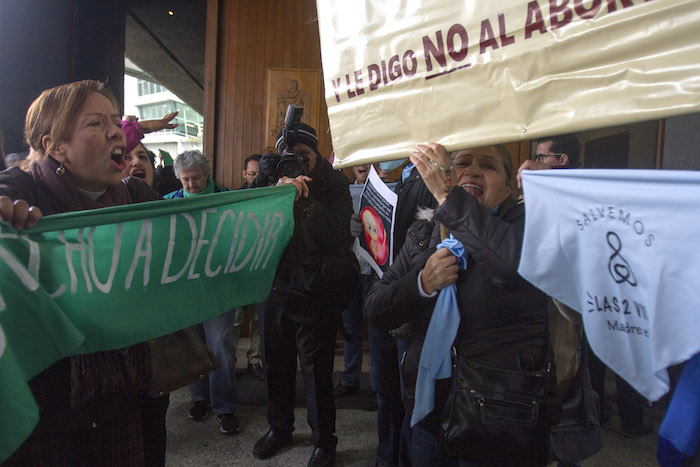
(412, 194)
(321, 229)
(503, 317)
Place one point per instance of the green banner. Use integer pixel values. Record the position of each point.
(87, 281)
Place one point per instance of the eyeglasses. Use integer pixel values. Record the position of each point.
(252, 174)
(541, 157)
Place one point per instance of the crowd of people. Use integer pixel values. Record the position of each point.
(458, 229)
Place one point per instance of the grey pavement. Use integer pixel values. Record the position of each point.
(192, 443)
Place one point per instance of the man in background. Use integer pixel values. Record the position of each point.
(254, 351)
(250, 169)
(558, 152)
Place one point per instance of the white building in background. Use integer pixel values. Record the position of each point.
(148, 100)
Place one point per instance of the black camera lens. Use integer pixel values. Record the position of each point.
(289, 167)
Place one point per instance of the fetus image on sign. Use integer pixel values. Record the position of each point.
(375, 235)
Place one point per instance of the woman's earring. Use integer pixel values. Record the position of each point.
(60, 170)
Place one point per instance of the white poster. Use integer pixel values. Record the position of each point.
(377, 213)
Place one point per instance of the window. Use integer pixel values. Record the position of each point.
(147, 87)
(189, 122)
(156, 111)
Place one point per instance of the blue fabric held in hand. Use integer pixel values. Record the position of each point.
(435, 357)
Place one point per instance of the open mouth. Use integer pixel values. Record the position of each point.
(473, 189)
(138, 173)
(118, 159)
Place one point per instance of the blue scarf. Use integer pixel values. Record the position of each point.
(435, 358)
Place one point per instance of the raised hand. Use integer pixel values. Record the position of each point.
(435, 166)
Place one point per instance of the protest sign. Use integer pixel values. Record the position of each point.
(377, 212)
(356, 194)
(97, 280)
(468, 74)
(620, 247)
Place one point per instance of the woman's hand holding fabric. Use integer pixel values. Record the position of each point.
(435, 166)
(440, 270)
(19, 213)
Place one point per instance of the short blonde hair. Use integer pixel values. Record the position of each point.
(507, 166)
(55, 111)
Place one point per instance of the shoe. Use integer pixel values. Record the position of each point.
(322, 457)
(637, 431)
(371, 404)
(199, 410)
(342, 390)
(257, 371)
(605, 412)
(270, 444)
(229, 423)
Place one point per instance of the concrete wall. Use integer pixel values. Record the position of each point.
(642, 142)
(682, 143)
(44, 43)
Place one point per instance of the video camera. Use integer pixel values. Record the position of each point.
(287, 164)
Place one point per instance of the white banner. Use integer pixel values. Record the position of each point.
(472, 73)
(621, 248)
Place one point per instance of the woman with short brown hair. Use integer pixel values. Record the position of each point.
(88, 404)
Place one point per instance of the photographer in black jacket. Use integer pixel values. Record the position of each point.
(299, 317)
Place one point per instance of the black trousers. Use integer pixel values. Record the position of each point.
(630, 404)
(153, 412)
(293, 328)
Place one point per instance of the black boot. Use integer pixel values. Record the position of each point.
(271, 443)
(324, 456)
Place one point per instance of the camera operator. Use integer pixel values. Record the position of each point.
(300, 315)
